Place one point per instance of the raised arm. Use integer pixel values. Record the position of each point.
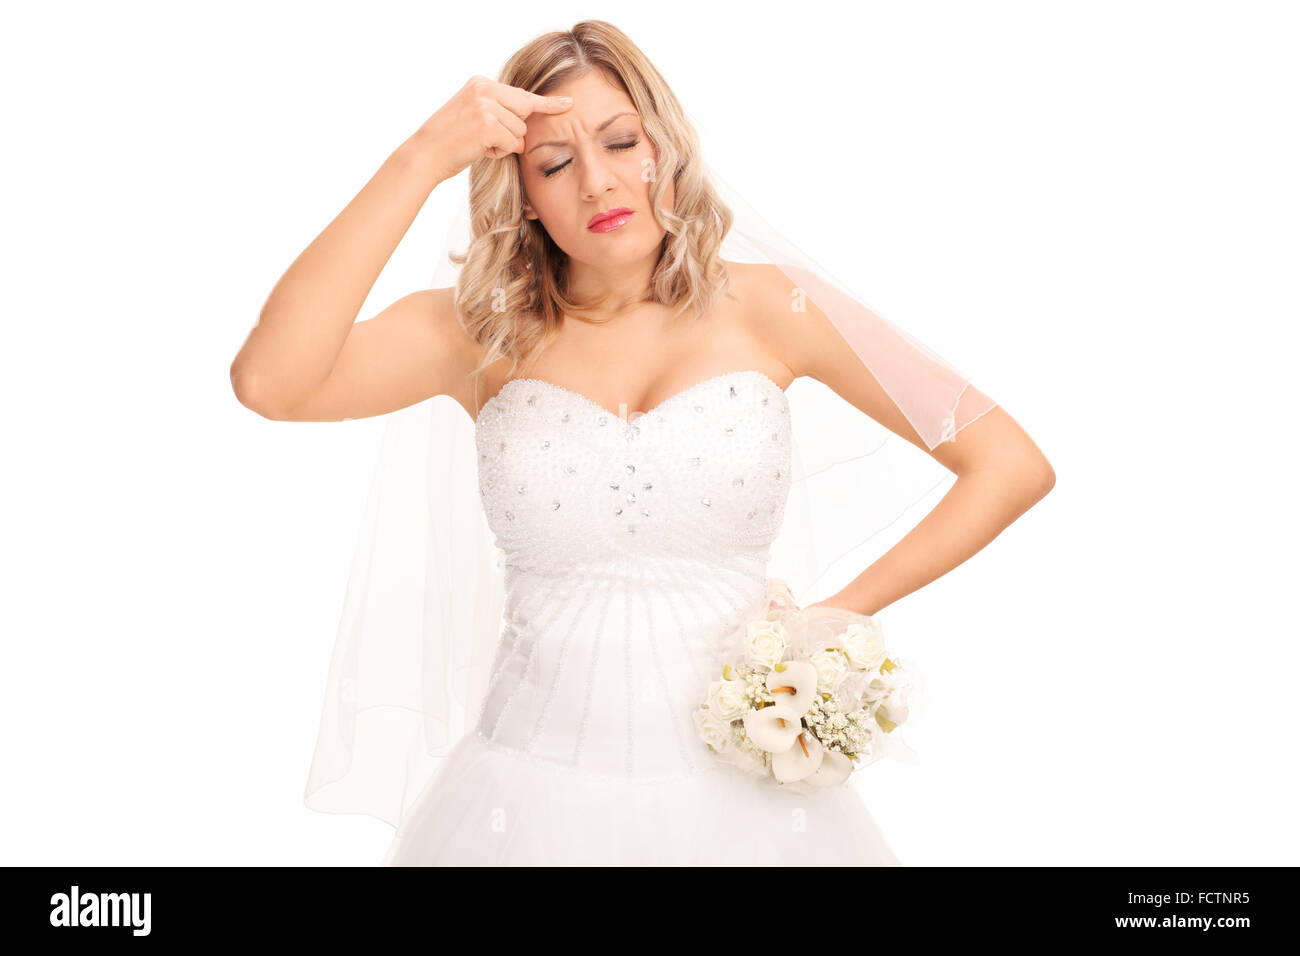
(308, 359)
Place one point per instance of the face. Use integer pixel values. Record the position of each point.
(590, 159)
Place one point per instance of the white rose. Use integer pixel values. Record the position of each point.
(831, 668)
(712, 731)
(885, 682)
(766, 642)
(726, 699)
(864, 645)
(895, 707)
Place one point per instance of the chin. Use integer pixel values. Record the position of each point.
(627, 249)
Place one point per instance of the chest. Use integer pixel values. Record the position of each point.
(710, 466)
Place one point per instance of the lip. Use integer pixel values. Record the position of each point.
(610, 220)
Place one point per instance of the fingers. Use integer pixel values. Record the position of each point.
(502, 141)
(523, 103)
(510, 121)
(551, 104)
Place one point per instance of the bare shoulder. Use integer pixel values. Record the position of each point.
(780, 316)
(789, 323)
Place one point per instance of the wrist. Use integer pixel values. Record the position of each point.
(847, 601)
(419, 154)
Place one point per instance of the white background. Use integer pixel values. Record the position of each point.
(1090, 207)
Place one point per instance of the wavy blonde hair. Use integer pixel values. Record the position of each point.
(512, 259)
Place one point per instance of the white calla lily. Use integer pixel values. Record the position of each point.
(773, 728)
(800, 760)
(793, 683)
(833, 770)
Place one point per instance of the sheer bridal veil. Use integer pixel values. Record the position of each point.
(421, 615)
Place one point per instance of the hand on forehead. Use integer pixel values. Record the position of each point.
(597, 105)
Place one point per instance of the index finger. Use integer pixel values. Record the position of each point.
(522, 103)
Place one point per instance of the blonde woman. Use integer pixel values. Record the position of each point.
(626, 387)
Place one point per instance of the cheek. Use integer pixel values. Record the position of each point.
(541, 200)
(669, 199)
(652, 166)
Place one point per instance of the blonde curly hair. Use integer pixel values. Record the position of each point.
(512, 259)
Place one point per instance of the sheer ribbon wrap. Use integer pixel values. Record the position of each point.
(421, 618)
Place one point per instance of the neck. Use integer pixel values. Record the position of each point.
(613, 290)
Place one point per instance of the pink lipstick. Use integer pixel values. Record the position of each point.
(609, 221)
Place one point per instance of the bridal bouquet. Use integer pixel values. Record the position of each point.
(806, 696)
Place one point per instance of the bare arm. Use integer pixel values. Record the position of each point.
(412, 350)
(307, 321)
(1000, 472)
(307, 359)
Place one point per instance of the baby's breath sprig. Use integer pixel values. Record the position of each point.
(847, 733)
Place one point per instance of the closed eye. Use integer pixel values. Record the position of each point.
(555, 169)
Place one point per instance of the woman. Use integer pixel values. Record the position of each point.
(627, 392)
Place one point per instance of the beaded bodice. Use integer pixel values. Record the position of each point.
(629, 546)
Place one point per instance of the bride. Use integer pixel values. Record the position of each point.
(627, 422)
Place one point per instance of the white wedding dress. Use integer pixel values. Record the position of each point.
(630, 547)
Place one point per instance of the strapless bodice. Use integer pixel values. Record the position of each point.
(628, 546)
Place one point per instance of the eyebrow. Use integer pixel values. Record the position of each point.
(599, 129)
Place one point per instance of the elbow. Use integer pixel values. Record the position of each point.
(251, 393)
(1040, 480)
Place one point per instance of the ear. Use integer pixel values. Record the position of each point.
(529, 212)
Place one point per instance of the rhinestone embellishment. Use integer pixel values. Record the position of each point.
(525, 472)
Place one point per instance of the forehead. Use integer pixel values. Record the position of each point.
(595, 99)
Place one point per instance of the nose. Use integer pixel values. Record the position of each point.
(597, 176)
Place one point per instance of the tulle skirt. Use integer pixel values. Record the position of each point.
(492, 806)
